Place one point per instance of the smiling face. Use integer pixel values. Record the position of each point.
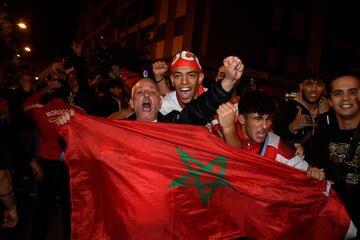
(345, 97)
(186, 81)
(255, 127)
(312, 90)
(145, 100)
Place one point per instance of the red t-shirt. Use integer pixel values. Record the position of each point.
(44, 117)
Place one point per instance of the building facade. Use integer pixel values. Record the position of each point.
(276, 39)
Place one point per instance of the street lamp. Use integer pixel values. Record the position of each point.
(27, 49)
(22, 25)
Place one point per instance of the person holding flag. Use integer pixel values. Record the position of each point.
(145, 180)
(192, 187)
(250, 130)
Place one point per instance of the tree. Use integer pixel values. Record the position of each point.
(103, 56)
(9, 64)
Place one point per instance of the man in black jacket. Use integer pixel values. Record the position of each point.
(296, 121)
(336, 147)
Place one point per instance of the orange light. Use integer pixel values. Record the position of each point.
(22, 25)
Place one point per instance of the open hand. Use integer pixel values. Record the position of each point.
(76, 47)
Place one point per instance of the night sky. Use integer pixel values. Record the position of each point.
(53, 26)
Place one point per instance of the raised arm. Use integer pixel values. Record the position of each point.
(226, 115)
(32, 101)
(200, 110)
(159, 69)
(233, 71)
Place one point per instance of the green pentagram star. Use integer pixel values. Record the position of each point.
(204, 169)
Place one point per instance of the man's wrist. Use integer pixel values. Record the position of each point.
(227, 84)
(228, 130)
(12, 208)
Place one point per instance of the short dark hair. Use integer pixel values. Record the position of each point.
(115, 83)
(256, 102)
(339, 74)
(314, 74)
(61, 93)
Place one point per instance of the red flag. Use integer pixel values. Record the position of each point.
(141, 180)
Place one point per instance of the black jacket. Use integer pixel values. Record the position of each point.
(287, 113)
(330, 145)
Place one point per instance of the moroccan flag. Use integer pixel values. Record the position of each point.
(141, 180)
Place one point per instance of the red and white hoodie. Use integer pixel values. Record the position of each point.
(273, 148)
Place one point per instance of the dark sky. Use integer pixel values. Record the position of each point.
(53, 24)
(53, 27)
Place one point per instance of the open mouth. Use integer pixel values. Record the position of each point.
(262, 135)
(146, 106)
(345, 106)
(185, 93)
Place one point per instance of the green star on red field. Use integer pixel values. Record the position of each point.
(203, 169)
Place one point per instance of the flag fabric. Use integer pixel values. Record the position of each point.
(141, 180)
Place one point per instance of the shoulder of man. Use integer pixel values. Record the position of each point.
(170, 117)
(131, 117)
(170, 103)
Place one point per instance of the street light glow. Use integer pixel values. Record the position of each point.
(22, 25)
(18, 55)
(27, 49)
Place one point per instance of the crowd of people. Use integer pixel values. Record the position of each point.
(317, 132)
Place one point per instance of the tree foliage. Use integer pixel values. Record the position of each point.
(9, 64)
(103, 56)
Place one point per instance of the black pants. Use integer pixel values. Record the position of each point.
(53, 194)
